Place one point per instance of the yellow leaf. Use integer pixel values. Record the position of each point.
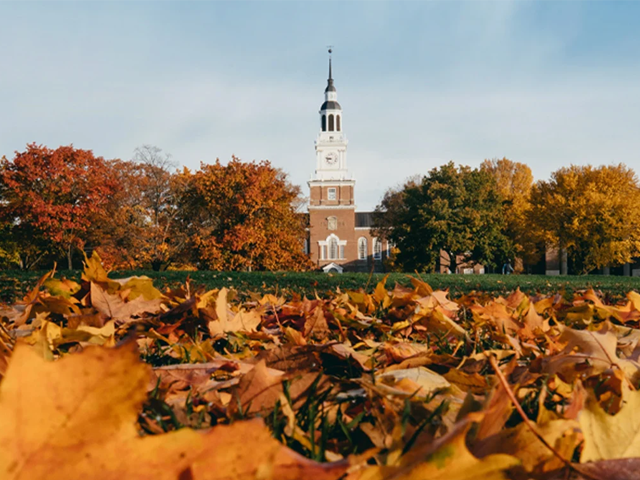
(418, 382)
(606, 436)
(64, 288)
(84, 423)
(445, 459)
(523, 444)
(84, 428)
(139, 286)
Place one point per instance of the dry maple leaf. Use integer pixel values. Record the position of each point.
(84, 427)
(607, 437)
(448, 458)
(114, 307)
(522, 443)
(240, 322)
(84, 423)
(597, 349)
(258, 390)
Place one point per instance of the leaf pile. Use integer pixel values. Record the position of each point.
(403, 383)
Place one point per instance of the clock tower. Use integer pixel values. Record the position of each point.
(332, 203)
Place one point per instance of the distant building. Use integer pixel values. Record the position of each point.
(339, 237)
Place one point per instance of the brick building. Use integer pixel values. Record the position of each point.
(339, 237)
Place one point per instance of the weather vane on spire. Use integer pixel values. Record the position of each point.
(330, 48)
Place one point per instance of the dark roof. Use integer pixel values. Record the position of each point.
(364, 219)
(330, 86)
(330, 105)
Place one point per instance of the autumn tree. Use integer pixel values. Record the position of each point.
(592, 213)
(51, 197)
(514, 181)
(242, 216)
(163, 240)
(452, 209)
(120, 231)
(139, 229)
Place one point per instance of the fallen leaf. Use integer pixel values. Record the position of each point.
(112, 306)
(607, 437)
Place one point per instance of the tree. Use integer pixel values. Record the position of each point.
(592, 213)
(163, 241)
(456, 210)
(139, 228)
(242, 216)
(119, 233)
(51, 197)
(514, 182)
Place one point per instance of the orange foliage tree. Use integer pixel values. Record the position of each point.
(51, 197)
(119, 233)
(140, 228)
(242, 216)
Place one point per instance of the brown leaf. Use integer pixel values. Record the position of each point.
(258, 390)
(112, 306)
(316, 326)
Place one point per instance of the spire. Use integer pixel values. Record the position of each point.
(330, 87)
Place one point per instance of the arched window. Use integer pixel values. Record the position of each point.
(331, 123)
(377, 249)
(334, 251)
(362, 248)
(338, 123)
(324, 123)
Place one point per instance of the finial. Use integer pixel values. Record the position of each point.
(330, 47)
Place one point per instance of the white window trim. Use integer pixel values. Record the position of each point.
(325, 243)
(360, 241)
(376, 255)
(331, 190)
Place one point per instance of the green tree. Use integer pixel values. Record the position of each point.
(592, 213)
(452, 209)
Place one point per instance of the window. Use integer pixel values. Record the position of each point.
(324, 123)
(332, 223)
(331, 194)
(362, 248)
(338, 123)
(331, 123)
(389, 248)
(333, 249)
(377, 249)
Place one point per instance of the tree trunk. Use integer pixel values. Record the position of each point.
(564, 263)
(70, 257)
(453, 262)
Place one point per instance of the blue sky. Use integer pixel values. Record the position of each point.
(421, 83)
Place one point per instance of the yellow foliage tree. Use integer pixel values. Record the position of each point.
(514, 181)
(591, 212)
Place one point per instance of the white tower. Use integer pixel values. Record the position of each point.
(331, 144)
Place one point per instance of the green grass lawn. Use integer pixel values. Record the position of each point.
(14, 284)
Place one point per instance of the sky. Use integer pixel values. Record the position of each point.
(421, 83)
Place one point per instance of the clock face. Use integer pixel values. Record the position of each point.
(331, 158)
